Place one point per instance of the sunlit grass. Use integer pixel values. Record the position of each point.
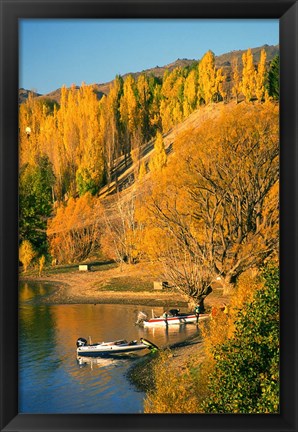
(127, 283)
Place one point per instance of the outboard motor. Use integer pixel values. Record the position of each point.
(81, 342)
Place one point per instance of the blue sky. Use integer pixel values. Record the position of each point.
(57, 52)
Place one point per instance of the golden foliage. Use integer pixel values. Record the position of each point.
(173, 389)
(220, 214)
(248, 76)
(42, 261)
(261, 77)
(26, 254)
(159, 159)
(236, 89)
(74, 233)
(188, 384)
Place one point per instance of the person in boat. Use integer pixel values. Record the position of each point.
(197, 312)
(174, 312)
(165, 316)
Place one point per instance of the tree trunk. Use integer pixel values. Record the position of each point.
(201, 298)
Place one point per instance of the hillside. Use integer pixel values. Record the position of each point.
(223, 60)
(125, 172)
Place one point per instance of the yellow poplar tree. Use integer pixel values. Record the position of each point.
(144, 98)
(42, 261)
(220, 81)
(129, 114)
(26, 254)
(190, 91)
(128, 104)
(261, 77)
(236, 79)
(142, 171)
(207, 77)
(159, 158)
(89, 160)
(248, 76)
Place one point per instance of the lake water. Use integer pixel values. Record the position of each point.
(52, 379)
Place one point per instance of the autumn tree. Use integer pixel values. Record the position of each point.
(235, 191)
(221, 213)
(190, 92)
(41, 262)
(261, 77)
(122, 234)
(221, 92)
(89, 161)
(236, 77)
(169, 237)
(74, 233)
(144, 99)
(69, 134)
(154, 107)
(110, 126)
(129, 115)
(248, 75)
(159, 158)
(26, 254)
(172, 97)
(142, 171)
(207, 77)
(32, 116)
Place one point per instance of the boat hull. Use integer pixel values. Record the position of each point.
(106, 350)
(177, 320)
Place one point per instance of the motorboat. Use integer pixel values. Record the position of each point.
(111, 348)
(174, 317)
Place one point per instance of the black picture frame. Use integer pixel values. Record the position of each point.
(11, 12)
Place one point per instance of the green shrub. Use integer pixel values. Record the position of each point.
(246, 374)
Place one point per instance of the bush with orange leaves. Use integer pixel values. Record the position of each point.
(177, 392)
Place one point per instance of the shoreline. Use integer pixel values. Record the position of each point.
(63, 294)
(140, 374)
(74, 287)
(130, 284)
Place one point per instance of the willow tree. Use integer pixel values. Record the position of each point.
(217, 201)
(233, 185)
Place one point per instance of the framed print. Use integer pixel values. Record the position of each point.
(148, 216)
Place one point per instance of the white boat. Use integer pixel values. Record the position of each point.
(110, 348)
(170, 319)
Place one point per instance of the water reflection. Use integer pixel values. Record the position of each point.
(105, 362)
(51, 377)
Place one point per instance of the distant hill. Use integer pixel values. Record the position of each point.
(223, 60)
(24, 94)
(226, 59)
